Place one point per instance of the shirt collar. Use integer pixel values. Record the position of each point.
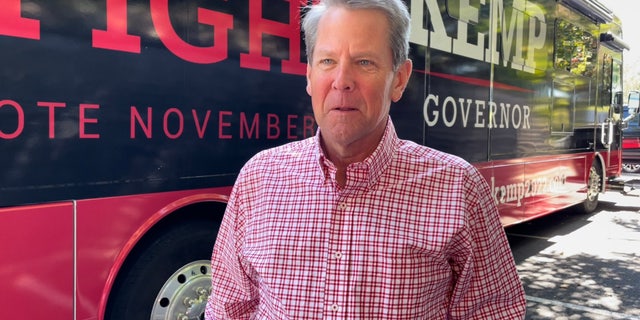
(370, 169)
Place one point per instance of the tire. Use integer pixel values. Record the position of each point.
(631, 167)
(594, 186)
(168, 275)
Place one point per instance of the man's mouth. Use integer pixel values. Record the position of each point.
(344, 109)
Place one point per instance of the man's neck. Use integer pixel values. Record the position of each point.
(343, 156)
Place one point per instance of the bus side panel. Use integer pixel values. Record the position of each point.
(85, 118)
(526, 188)
(456, 109)
(504, 177)
(552, 183)
(36, 262)
(109, 227)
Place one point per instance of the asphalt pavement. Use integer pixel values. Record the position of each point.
(576, 266)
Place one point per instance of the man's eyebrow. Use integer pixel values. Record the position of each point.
(324, 50)
(357, 54)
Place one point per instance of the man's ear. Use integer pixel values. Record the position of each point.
(401, 79)
(308, 79)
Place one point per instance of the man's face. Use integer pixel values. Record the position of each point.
(350, 77)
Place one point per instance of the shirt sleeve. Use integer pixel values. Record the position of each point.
(487, 285)
(233, 296)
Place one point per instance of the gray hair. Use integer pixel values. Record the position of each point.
(395, 10)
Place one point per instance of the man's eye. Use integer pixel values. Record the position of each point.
(326, 61)
(365, 62)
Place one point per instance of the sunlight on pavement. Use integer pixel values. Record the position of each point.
(588, 268)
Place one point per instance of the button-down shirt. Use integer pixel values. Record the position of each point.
(413, 234)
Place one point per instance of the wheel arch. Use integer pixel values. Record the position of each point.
(209, 207)
(599, 160)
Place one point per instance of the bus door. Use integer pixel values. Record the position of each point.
(610, 125)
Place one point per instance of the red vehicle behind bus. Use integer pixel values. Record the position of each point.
(631, 134)
(123, 124)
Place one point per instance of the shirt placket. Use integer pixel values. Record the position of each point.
(338, 265)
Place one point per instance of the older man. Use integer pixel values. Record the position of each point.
(356, 223)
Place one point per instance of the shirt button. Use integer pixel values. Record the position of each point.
(337, 255)
(342, 206)
(334, 307)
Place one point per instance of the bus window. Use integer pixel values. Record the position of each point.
(606, 88)
(575, 50)
(464, 10)
(616, 86)
(563, 107)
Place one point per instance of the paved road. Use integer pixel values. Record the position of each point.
(582, 266)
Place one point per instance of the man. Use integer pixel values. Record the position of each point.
(356, 223)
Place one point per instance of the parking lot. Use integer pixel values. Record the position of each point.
(577, 266)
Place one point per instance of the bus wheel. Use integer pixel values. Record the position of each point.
(168, 275)
(185, 294)
(593, 189)
(631, 167)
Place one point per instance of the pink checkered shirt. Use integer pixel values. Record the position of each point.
(414, 234)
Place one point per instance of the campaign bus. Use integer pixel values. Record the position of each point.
(123, 125)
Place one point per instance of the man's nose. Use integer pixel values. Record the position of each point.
(344, 79)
